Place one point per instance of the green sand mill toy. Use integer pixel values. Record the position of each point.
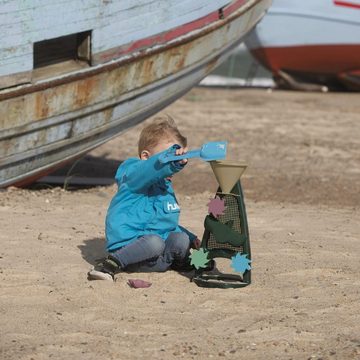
(226, 232)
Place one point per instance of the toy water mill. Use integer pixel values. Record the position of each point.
(226, 232)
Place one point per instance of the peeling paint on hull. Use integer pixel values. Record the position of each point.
(55, 120)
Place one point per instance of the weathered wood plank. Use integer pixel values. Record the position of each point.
(7, 7)
(12, 6)
(35, 139)
(13, 66)
(45, 20)
(37, 29)
(170, 9)
(14, 79)
(14, 52)
(114, 23)
(143, 26)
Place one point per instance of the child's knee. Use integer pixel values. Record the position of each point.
(180, 241)
(156, 243)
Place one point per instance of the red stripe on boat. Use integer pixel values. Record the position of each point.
(171, 34)
(174, 33)
(186, 28)
(320, 59)
(159, 38)
(347, 4)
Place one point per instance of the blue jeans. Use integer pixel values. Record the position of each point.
(151, 253)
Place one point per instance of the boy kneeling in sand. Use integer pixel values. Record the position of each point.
(142, 230)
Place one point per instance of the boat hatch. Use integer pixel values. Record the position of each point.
(61, 55)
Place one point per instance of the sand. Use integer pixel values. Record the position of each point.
(302, 193)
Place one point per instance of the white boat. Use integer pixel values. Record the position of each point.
(74, 74)
(309, 41)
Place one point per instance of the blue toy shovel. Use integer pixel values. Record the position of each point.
(215, 150)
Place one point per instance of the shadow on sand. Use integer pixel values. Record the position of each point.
(88, 171)
(93, 250)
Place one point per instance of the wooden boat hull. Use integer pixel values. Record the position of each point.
(50, 122)
(322, 45)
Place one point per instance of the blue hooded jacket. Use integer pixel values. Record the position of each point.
(145, 202)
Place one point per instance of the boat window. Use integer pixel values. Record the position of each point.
(63, 54)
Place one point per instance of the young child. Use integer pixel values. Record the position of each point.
(142, 230)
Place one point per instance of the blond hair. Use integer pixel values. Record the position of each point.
(162, 128)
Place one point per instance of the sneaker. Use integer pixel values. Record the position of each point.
(105, 270)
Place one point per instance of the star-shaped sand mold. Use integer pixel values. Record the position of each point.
(240, 263)
(199, 258)
(216, 206)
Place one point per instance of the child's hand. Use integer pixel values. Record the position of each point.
(182, 151)
(196, 244)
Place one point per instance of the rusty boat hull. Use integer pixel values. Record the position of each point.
(49, 118)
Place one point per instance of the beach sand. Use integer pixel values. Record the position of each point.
(302, 192)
